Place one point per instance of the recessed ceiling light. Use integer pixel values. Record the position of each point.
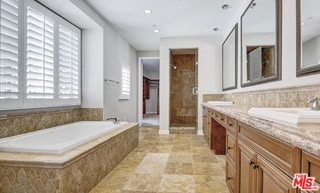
(148, 11)
(225, 6)
(156, 31)
(216, 29)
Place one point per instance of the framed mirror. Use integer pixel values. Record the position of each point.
(230, 60)
(261, 42)
(308, 37)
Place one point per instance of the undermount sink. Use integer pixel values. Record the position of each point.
(220, 103)
(289, 116)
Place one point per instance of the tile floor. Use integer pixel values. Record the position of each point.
(176, 163)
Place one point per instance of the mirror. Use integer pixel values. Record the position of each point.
(261, 42)
(308, 37)
(230, 60)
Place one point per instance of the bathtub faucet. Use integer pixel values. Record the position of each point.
(115, 120)
(315, 103)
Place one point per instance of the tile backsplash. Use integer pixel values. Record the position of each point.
(26, 122)
(296, 96)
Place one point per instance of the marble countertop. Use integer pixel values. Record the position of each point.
(304, 136)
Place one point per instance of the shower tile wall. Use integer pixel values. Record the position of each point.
(22, 123)
(296, 96)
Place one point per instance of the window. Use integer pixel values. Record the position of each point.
(9, 48)
(40, 57)
(68, 63)
(125, 83)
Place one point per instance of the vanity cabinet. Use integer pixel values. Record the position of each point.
(206, 122)
(310, 165)
(265, 164)
(257, 162)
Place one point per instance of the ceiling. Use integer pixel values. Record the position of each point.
(171, 17)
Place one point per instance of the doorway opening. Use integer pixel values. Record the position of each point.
(150, 92)
(183, 90)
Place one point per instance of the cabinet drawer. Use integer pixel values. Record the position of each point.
(231, 146)
(232, 125)
(283, 155)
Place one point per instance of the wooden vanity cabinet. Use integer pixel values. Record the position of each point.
(310, 164)
(265, 164)
(255, 161)
(206, 122)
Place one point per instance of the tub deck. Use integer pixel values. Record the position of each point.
(77, 170)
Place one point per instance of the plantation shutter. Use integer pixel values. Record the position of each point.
(69, 63)
(125, 81)
(40, 55)
(9, 49)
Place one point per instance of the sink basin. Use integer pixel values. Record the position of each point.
(289, 116)
(220, 103)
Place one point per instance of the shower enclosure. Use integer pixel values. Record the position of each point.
(183, 90)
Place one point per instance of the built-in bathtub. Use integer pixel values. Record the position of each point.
(53, 162)
(57, 140)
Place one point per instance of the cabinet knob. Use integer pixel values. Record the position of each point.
(229, 178)
(254, 166)
(230, 124)
(230, 148)
(251, 162)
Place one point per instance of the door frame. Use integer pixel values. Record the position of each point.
(140, 87)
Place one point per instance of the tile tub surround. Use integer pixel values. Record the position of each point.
(304, 136)
(16, 124)
(78, 170)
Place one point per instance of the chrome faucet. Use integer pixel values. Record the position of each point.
(115, 120)
(315, 103)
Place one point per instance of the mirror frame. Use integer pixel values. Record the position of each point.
(235, 31)
(278, 47)
(299, 70)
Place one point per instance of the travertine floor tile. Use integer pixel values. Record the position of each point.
(143, 182)
(208, 169)
(177, 183)
(180, 158)
(155, 157)
(151, 168)
(176, 163)
(204, 158)
(179, 168)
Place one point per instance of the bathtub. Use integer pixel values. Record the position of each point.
(77, 170)
(57, 140)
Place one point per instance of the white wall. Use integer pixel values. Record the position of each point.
(104, 52)
(92, 75)
(209, 71)
(288, 52)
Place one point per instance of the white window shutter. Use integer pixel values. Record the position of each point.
(125, 82)
(40, 55)
(9, 49)
(69, 63)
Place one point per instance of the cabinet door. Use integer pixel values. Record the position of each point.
(231, 178)
(246, 173)
(271, 179)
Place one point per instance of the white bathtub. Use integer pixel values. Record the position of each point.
(57, 140)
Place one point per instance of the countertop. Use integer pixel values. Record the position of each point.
(304, 136)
